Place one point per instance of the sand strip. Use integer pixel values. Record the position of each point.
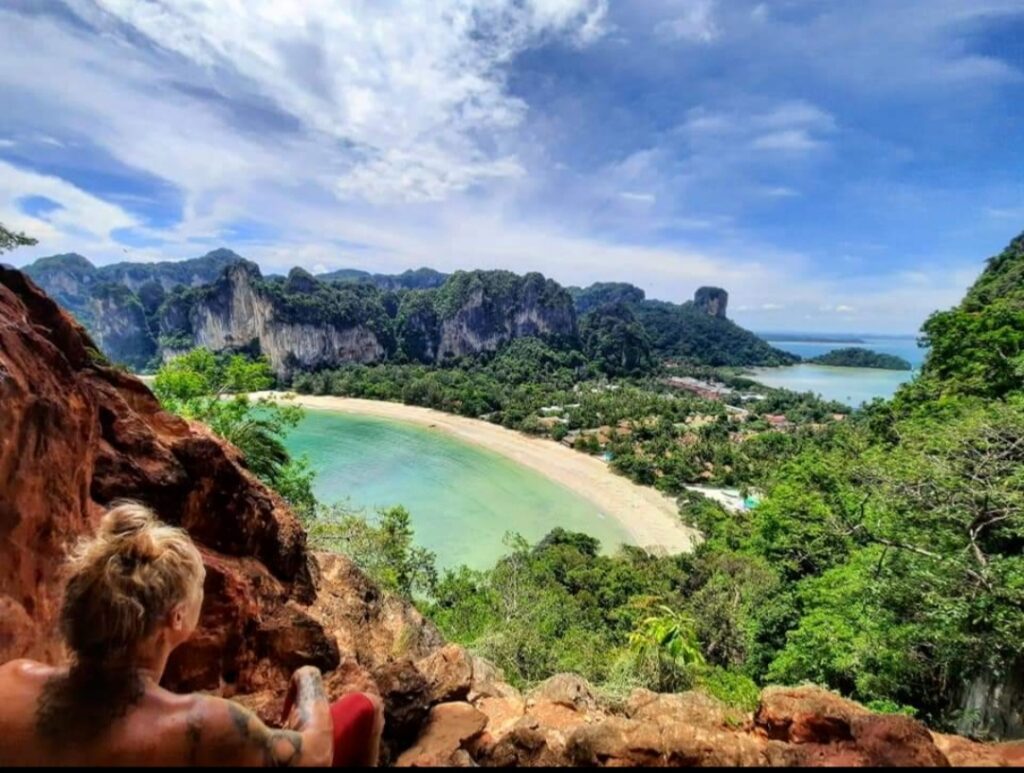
(650, 517)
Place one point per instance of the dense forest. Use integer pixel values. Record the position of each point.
(883, 556)
(857, 357)
(883, 560)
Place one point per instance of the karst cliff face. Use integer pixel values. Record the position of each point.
(303, 323)
(120, 325)
(713, 301)
(116, 302)
(76, 435)
(237, 312)
(480, 311)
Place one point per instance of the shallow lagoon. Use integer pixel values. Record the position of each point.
(852, 386)
(462, 498)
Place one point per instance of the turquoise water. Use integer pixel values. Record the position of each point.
(851, 386)
(906, 348)
(462, 498)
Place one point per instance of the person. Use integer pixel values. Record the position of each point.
(133, 595)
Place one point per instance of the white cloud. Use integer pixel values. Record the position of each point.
(788, 140)
(791, 127)
(1006, 213)
(778, 192)
(695, 23)
(413, 90)
(642, 198)
(80, 222)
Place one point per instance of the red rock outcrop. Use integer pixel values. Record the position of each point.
(76, 434)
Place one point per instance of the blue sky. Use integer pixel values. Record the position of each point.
(836, 166)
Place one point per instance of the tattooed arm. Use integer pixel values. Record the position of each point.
(221, 732)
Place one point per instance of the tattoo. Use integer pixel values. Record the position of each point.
(310, 692)
(193, 737)
(280, 748)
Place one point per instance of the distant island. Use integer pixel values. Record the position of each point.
(811, 338)
(856, 357)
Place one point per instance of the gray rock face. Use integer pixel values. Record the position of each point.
(712, 301)
(993, 705)
(222, 302)
(237, 313)
(120, 326)
(486, 319)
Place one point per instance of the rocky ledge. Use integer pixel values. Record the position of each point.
(76, 435)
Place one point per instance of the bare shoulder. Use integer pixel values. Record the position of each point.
(23, 667)
(23, 675)
(222, 732)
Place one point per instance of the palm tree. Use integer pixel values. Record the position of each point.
(668, 640)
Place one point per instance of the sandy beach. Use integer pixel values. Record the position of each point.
(651, 518)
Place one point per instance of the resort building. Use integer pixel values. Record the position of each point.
(709, 390)
(778, 421)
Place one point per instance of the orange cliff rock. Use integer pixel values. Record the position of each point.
(76, 435)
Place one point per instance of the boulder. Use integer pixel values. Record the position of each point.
(449, 673)
(828, 729)
(963, 752)
(567, 690)
(441, 744)
(76, 435)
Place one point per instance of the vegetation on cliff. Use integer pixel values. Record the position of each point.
(419, 316)
(213, 389)
(683, 331)
(687, 331)
(411, 279)
(615, 342)
(857, 357)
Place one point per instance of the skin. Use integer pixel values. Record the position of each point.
(162, 728)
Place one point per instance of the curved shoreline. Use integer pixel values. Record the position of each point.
(647, 515)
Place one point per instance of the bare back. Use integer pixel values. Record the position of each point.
(159, 728)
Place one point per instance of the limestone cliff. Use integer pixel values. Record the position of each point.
(117, 303)
(481, 310)
(697, 331)
(282, 321)
(119, 324)
(303, 323)
(713, 301)
(75, 435)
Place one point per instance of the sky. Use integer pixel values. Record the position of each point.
(835, 166)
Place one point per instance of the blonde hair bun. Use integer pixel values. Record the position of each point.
(123, 582)
(125, 518)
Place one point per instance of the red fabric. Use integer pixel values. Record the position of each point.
(353, 717)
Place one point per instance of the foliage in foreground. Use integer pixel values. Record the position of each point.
(10, 240)
(210, 388)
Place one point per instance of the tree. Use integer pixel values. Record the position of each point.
(212, 389)
(615, 342)
(668, 640)
(381, 545)
(10, 240)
